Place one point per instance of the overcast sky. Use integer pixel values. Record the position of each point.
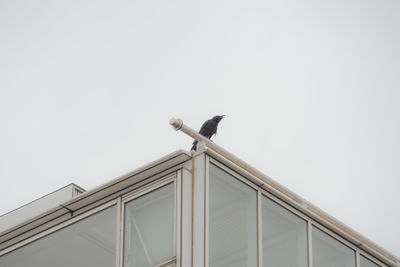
(311, 90)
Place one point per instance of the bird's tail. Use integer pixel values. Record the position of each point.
(194, 147)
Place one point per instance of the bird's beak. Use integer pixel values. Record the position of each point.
(223, 116)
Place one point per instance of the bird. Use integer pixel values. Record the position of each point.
(208, 129)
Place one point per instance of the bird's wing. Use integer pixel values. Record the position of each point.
(205, 127)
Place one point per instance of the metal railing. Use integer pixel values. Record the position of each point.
(293, 199)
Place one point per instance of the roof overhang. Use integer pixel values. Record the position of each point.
(94, 198)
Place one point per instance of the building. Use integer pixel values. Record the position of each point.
(203, 209)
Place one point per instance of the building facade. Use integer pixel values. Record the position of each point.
(200, 209)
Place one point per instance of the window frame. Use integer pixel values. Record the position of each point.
(166, 180)
(338, 239)
(371, 258)
(240, 178)
(293, 212)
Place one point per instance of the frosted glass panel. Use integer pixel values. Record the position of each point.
(87, 243)
(232, 222)
(149, 228)
(284, 237)
(328, 252)
(364, 262)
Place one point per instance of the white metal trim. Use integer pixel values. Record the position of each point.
(285, 205)
(233, 173)
(207, 211)
(118, 237)
(192, 249)
(148, 187)
(178, 218)
(122, 233)
(309, 243)
(198, 254)
(334, 235)
(186, 218)
(370, 257)
(259, 227)
(58, 227)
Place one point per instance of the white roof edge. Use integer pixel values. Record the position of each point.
(38, 206)
(130, 174)
(59, 189)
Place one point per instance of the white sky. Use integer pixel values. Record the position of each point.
(311, 91)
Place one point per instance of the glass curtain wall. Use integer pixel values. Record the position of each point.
(329, 252)
(364, 262)
(233, 227)
(149, 228)
(232, 239)
(232, 221)
(284, 237)
(90, 242)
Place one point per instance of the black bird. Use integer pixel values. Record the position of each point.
(208, 129)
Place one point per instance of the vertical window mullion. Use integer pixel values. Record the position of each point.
(206, 210)
(177, 218)
(259, 227)
(309, 242)
(118, 256)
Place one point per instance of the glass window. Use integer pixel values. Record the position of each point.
(364, 262)
(149, 228)
(284, 237)
(328, 252)
(232, 222)
(89, 242)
